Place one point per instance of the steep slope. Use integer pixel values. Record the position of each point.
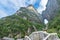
(23, 22)
(52, 13)
(51, 9)
(54, 25)
(29, 13)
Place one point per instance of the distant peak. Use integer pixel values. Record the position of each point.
(30, 7)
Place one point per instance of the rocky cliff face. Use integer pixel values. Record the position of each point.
(29, 13)
(51, 9)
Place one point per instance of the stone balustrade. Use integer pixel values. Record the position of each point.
(38, 35)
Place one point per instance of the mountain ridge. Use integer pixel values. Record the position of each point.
(23, 22)
(31, 12)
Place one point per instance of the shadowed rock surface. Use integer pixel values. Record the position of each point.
(29, 13)
(51, 9)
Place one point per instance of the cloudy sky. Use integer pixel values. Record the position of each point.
(9, 7)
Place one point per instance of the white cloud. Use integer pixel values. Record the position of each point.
(7, 6)
(2, 13)
(31, 1)
(45, 21)
(13, 5)
(42, 6)
(43, 2)
(16, 4)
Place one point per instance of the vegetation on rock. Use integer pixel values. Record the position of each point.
(54, 24)
(14, 25)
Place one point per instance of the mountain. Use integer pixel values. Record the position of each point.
(54, 24)
(51, 9)
(29, 13)
(23, 22)
(52, 14)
